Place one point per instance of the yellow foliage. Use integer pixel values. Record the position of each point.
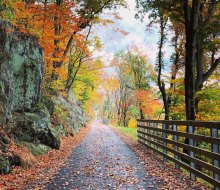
(132, 123)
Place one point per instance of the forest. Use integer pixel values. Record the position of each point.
(185, 87)
(55, 78)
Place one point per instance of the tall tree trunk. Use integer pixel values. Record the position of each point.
(199, 72)
(160, 83)
(191, 27)
(173, 77)
(57, 29)
(71, 80)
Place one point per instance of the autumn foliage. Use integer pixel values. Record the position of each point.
(148, 102)
(38, 19)
(41, 167)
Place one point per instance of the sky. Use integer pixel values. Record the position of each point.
(137, 34)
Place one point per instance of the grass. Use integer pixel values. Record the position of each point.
(132, 132)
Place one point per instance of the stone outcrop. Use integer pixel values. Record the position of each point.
(21, 65)
(75, 117)
(30, 117)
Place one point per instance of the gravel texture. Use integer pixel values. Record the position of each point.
(102, 161)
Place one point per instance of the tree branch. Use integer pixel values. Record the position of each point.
(82, 26)
(211, 69)
(210, 12)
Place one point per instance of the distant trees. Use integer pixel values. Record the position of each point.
(132, 94)
(142, 74)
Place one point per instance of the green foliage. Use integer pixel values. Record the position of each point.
(134, 69)
(6, 10)
(209, 94)
(132, 132)
(61, 112)
(92, 8)
(133, 111)
(209, 104)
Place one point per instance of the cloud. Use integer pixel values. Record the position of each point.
(106, 56)
(137, 34)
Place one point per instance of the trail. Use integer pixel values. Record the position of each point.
(102, 161)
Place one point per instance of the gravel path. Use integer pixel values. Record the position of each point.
(102, 161)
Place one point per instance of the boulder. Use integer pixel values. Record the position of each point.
(36, 128)
(21, 65)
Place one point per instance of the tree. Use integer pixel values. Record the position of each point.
(200, 21)
(159, 14)
(87, 11)
(58, 24)
(135, 75)
(206, 45)
(191, 30)
(141, 72)
(79, 54)
(123, 95)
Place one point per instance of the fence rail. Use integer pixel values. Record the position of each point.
(192, 145)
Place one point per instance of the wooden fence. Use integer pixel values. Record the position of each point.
(192, 145)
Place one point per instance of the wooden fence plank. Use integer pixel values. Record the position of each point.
(161, 142)
(187, 167)
(193, 136)
(188, 147)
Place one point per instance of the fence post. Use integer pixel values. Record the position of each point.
(164, 126)
(155, 133)
(175, 138)
(215, 148)
(142, 129)
(148, 131)
(191, 153)
(138, 129)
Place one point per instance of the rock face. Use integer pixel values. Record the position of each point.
(31, 118)
(35, 128)
(75, 117)
(21, 65)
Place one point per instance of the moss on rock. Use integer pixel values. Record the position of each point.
(36, 149)
(4, 165)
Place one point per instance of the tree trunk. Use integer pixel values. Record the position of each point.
(191, 27)
(160, 83)
(124, 118)
(173, 77)
(199, 72)
(71, 80)
(201, 77)
(57, 28)
(142, 114)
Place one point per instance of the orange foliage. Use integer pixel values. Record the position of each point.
(147, 102)
(38, 20)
